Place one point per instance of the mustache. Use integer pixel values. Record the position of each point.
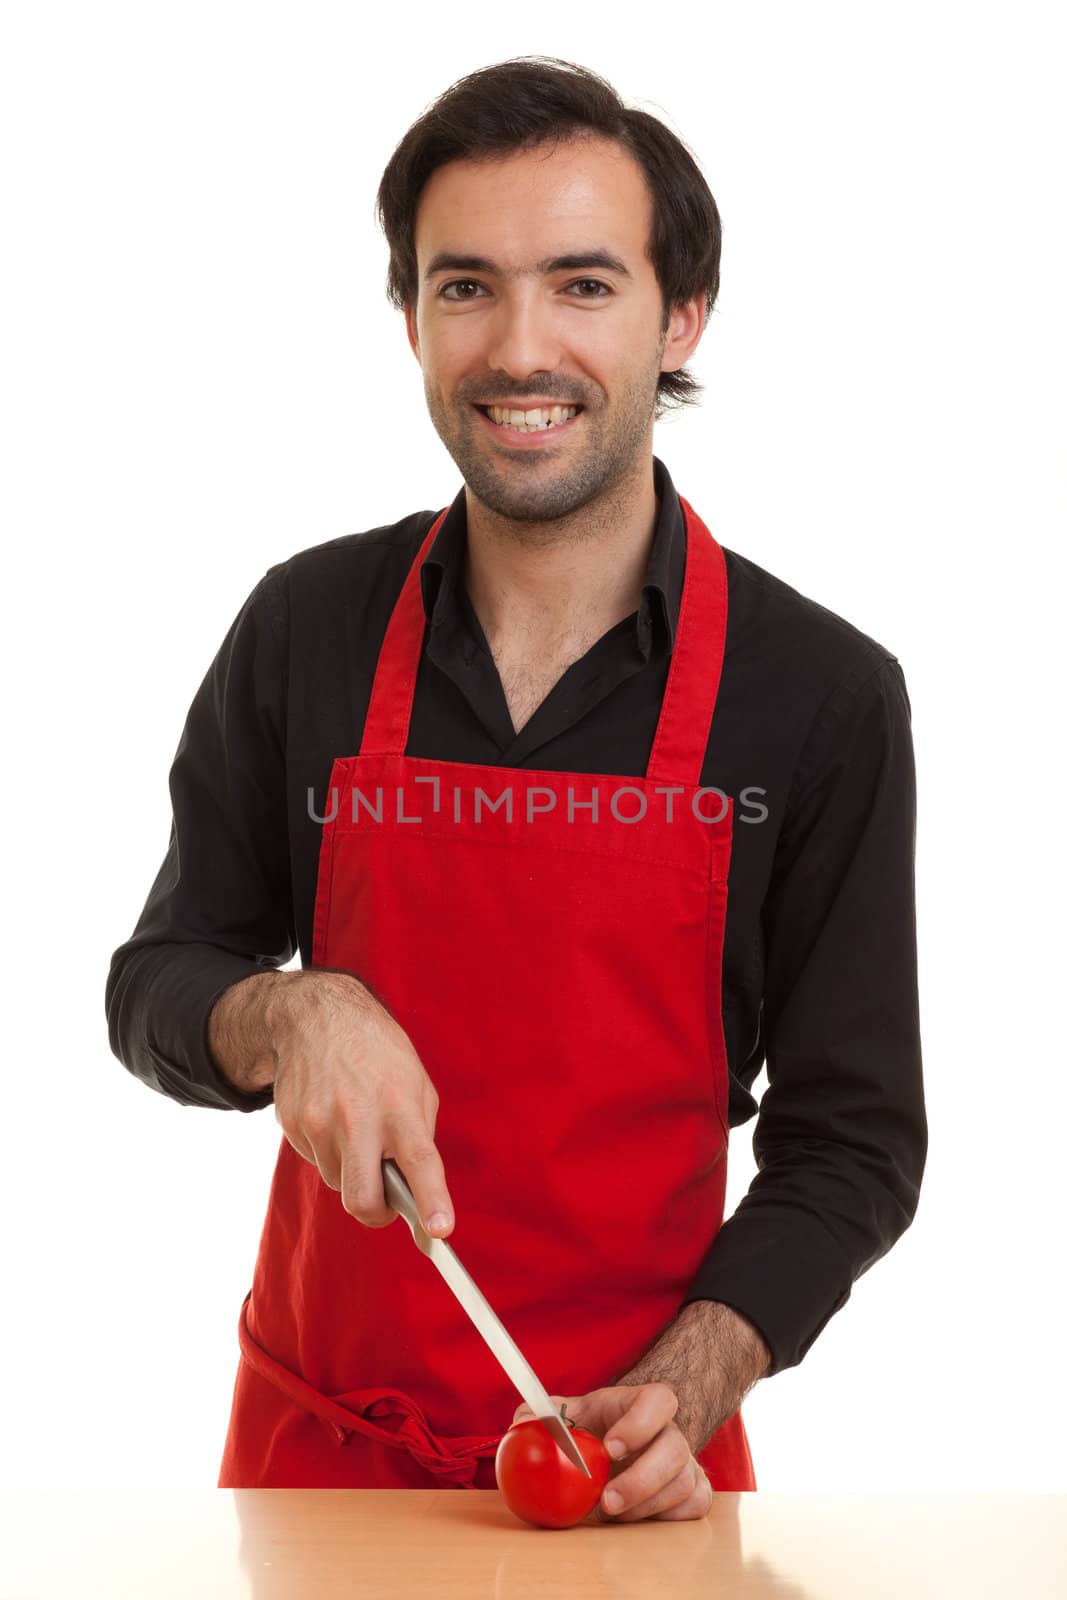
(514, 401)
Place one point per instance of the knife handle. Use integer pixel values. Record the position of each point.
(400, 1197)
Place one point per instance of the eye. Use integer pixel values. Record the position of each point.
(462, 283)
(603, 290)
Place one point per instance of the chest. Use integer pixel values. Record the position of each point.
(528, 675)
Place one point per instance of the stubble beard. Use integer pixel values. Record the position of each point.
(534, 491)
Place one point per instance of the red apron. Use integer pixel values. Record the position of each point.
(552, 944)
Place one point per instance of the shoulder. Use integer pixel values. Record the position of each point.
(770, 618)
(346, 585)
(829, 692)
(373, 556)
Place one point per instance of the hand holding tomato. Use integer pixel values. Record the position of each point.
(656, 1476)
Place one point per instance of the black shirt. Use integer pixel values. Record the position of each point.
(811, 736)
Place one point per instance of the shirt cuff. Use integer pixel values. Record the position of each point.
(193, 977)
(780, 1268)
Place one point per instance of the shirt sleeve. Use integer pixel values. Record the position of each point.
(220, 908)
(841, 1137)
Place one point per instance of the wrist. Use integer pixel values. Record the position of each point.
(739, 1343)
(243, 1026)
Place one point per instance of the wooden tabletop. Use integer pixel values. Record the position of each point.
(313, 1544)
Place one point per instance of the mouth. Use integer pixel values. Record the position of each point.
(531, 435)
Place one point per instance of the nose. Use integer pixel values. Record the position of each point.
(524, 337)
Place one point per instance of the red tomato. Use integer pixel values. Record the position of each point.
(542, 1485)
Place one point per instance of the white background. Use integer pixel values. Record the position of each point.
(201, 375)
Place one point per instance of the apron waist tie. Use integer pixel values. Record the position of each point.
(455, 1459)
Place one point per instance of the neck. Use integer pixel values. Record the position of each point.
(580, 572)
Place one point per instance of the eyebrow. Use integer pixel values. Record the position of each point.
(448, 261)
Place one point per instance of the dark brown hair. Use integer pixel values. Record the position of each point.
(534, 100)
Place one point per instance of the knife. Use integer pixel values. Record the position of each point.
(481, 1313)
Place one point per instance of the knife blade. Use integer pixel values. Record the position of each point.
(481, 1313)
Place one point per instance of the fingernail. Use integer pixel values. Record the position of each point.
(612, 1500)
(616, 1448)
(437, 1222)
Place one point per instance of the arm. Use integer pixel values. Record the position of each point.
(220, 909)
(841, 1137)
(711, 1358)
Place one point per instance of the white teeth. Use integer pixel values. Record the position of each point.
(534, 421)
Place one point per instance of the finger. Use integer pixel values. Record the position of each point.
(324, 1155)
(601, 1409)
(556, 1399)
(420, 1161)
(655, 1468)
(363, 1187)
(647, 1408)
(687, 1496)
(322, 1140)
(300, 1144)
(631, 1416)
(698, 1505)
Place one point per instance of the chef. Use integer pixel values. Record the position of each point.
(576, 817)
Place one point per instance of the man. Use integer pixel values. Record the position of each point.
(497, 772)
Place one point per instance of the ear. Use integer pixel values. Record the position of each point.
(684, 332)
(410, 314)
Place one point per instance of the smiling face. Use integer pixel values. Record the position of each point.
(534, 286)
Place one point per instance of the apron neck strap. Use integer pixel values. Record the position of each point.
(385, 731)
(696, 661)
(692, 684)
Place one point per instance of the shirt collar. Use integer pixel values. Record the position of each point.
(661, 595)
